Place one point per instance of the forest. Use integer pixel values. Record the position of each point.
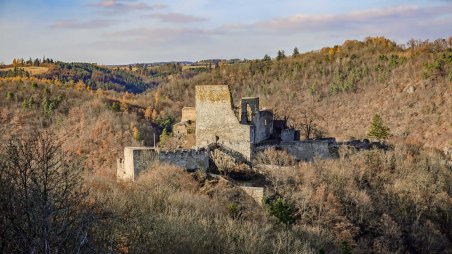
(61, 131)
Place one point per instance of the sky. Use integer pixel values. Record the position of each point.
(143, 31)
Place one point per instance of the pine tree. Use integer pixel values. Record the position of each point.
(378, 129)
(295, 52)
(36, 62)
(281, 55)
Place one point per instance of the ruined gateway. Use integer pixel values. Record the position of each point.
(217, 127)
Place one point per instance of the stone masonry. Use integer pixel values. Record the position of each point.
(217, 123)
(137, 159)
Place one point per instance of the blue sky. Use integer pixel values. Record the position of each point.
(130, 31)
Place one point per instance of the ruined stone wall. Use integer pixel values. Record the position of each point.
(306, 150)
(120, 172)
(136, 159)
(183, 129)
(216, 121)
(180, 129)
(263, 126)
(288, 135)
(257, 193)
(188, 114)
(189, 159)
(251, 103)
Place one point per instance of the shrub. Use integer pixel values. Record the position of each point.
(115, 107)
(164, 137)
(378, 129)
(166, 123)
(281, 209)
(234, 211)
(9, 96)
(271, 156)
(435, 69)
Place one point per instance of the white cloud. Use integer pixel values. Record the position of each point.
(123, 6)
(89, 24)
(176, 17)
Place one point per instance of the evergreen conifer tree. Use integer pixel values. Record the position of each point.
(378, 129)
(295, 52)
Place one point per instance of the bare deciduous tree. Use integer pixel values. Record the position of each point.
(308, 120)
(43, 202)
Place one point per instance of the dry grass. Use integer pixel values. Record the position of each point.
(387, 202)
(383, 201)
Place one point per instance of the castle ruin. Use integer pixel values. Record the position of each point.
(216, 126)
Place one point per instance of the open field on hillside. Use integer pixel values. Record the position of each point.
(34, 70)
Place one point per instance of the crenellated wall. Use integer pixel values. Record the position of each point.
(217, 123)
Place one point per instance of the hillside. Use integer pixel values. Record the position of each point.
(394, 201)
(342, 87)
(82, 74)
(95, 125)
(345, 86)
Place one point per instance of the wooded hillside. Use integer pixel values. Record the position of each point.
(395, 201)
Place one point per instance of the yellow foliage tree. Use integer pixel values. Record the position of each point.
(80, 85)
(124, 105)
(154, 115)
(148, 113)
(136, 134)
(331, 53)
(157, 98)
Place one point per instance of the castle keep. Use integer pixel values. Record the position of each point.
(216, 126)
